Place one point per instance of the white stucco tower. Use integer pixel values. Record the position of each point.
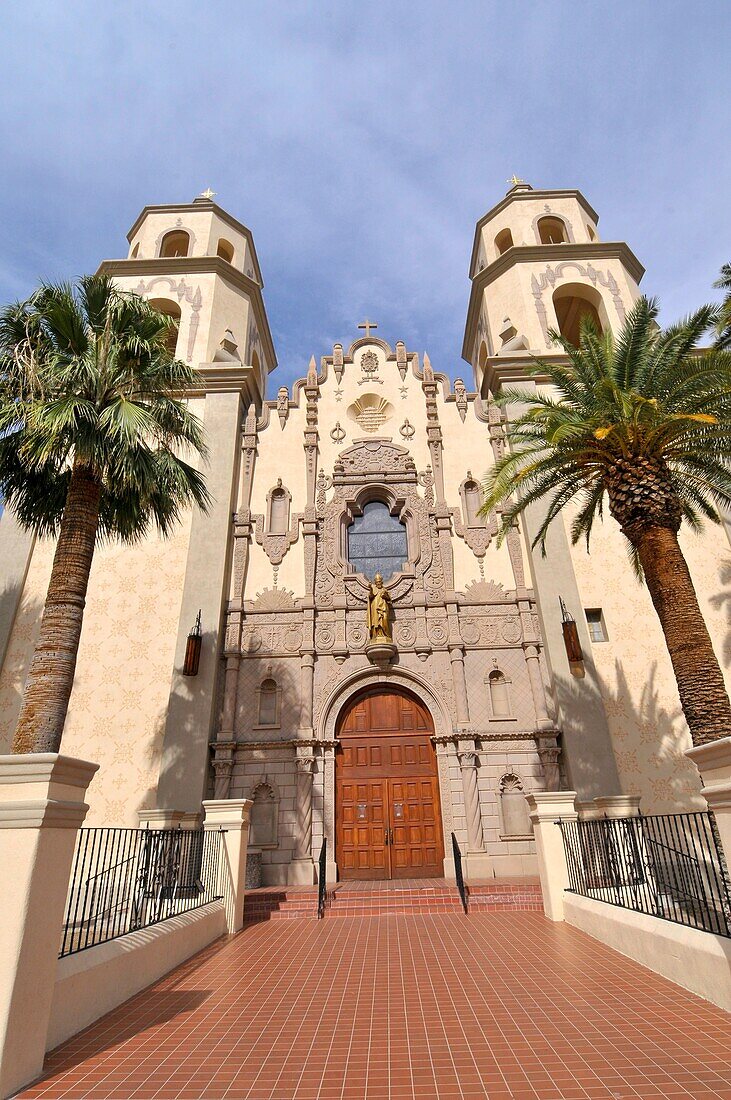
(538, 264)
(198, 264)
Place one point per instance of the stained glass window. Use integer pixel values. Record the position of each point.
(377, 542)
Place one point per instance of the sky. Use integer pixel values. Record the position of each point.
(361, 141)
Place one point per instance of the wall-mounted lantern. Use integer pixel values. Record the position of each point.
(570, 636)
(193, 649)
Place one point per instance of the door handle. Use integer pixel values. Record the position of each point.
(390, 834)
(385, 837)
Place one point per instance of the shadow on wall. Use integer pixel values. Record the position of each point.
(16, 662)
(649, 736)
(721, 602)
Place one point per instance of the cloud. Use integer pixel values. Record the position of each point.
(361, 142)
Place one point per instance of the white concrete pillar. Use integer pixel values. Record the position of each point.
(231, 816)
(713, 761)
(41, 810)
(545, 809)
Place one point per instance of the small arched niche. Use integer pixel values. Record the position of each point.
(503, 241)
(574, 301)
(498, 687)
(135, 252)
(278, 504)
(264, 817)
(514, 816)
(472, 500)
(225, 250)
(171, 309)
(551, 230)
(591, 232)
(175, 243)
(268, 708)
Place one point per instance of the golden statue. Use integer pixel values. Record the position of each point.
(379, 612)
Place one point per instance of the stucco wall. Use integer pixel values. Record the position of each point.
(117, 711)
(635, 675)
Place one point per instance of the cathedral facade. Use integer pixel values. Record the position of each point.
(375, 669)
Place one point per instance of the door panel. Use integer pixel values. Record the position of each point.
(363, 823)
(388, 822)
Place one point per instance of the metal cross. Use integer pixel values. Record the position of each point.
(368, 325)
(207, 194)
(515, 180)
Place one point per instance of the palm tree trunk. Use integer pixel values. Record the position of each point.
(701, 686)
(51, 676)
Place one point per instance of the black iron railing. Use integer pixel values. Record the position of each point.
(321, 879)
(126, 879)
(458, 872)
(665, 865)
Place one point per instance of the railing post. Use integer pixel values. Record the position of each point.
(545, 809)
(41, 809)
(231, 815)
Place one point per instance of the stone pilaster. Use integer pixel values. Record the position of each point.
(456, 656)
(302, 868)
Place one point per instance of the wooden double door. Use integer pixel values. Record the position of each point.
(388, 821)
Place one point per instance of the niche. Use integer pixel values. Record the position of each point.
(264, 817)
(514, 817)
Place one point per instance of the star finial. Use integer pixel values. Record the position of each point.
(207, 194)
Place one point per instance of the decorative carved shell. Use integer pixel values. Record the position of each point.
(274, 599)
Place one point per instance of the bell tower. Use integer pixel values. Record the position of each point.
(538, 264)
(198, 264)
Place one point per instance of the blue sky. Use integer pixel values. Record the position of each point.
(361, 141)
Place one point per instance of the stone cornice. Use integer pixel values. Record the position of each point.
(285, 743)
(597, 250)
(518, 195)
(200, 265)
(197, 207)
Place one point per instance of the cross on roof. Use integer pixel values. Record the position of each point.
(368, 325)
(207, 194)
(515, 180)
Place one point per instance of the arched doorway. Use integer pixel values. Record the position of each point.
(387, 814)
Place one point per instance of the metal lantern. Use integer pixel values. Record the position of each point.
(193, 649)
(570, 635)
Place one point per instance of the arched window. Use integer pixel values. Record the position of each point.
(175, 243)
(268, 703)
(279, 499)
(551, 231)
(590, 231)
(499, 694)
(264, 816)
(572, 303)
(225, 250)
(172, 310)
(503, 241)
(377, 542)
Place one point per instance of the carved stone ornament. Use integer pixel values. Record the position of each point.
(549, 277)
(407, 430)
(282, 405)
(337, 433)
(460, 395)
(485, 592)
(401, 362)
(182, 292)
(274, 599)
(369, 367)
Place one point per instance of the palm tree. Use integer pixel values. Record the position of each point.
(645, 423)
(92, 417)
(723, 326)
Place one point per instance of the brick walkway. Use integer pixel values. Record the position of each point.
(396, 1007)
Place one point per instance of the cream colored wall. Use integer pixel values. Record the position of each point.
(117, 710)
(649, 733)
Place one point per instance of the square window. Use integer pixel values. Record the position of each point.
(596, 624)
